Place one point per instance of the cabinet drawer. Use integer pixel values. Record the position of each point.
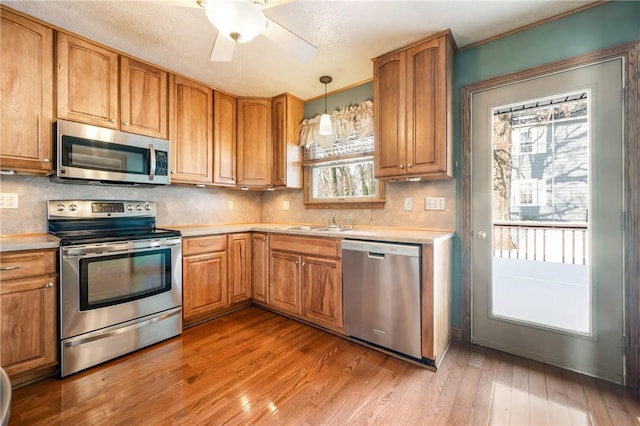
(328, 247)
(27, 264)
(197, 245)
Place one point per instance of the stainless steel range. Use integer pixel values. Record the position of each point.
(120, 279)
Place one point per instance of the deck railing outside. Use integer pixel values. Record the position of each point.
(542, 241)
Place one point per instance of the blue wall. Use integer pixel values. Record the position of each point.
(595, 28)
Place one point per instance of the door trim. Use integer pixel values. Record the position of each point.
(631, 151)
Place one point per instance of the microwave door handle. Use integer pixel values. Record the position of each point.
(152, 153)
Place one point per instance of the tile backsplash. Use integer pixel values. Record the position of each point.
(176, 204)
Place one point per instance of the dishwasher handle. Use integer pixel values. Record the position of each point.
(372, 255)
(376, 249)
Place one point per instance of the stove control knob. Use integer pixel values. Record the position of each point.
(139, 207)
(129, 207)
(60, 207)
(73, 207)
(147, 207)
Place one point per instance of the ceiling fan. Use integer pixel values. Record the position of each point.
(240, 21)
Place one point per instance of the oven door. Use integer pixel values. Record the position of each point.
(107, 284)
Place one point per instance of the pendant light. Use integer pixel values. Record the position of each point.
(325, 119)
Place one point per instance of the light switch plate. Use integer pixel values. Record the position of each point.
(434, 203)
(8, 200)
(285, 205)
(229, 205)
(408, 204)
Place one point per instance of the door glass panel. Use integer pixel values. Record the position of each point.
(540, 213)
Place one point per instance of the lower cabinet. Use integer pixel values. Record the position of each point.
(205, 280)
(239, 267)
(305, 279)
(28, 319)
(260, 266)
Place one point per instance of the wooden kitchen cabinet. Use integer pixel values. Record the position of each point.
(224, 139)
(413, 115)
(288, 112)
(87, 88)
(143, 99)
(254, 154)
(285, 281)
(260, 266)
(305, 279)
(191, 131)
(239, 267)
(28, 319)
(26, 95)
(204, 277)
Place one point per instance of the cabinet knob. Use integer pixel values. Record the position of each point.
(126, 123)
(45, 160)
(304, 263)
(113, 120)
(401, 166)
(297, 262)
(48, 285)
(409, 165)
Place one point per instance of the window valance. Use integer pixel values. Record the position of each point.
(348, 122)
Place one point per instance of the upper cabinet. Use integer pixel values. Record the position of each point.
(254, 154)
(191, 131)
(88, 80)
(413, 114)
(143, 98)
(288, 112)
(26, 95)
(224, 139)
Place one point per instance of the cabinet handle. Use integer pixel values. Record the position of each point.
(205, 244)
(45, 160)
(202, 259)
(10, 268)
(401, 166)
(409, 165)
(113, 120)
(48, 285)
(126, 123)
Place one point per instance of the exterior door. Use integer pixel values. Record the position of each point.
(547, 202)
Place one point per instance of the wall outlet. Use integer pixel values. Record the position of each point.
(8, 200)
(285, 205)
(408, 204)
(229, 205)
(434, 203)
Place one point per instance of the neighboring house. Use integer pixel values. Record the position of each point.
(550, 163)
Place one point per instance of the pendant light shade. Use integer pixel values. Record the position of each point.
(240, 21)
(325, 119)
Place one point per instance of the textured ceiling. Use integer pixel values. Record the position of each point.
(347, 34)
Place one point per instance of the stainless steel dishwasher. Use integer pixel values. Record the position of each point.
(381, 288)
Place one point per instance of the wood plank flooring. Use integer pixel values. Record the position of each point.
(255, 367)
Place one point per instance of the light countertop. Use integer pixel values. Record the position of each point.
(45, 241)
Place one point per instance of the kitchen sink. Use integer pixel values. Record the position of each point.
(331, 229)
(298, 228)
(315, 228)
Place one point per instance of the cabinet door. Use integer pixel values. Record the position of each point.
(191, 131)
(322, 291)
(260, 267)
(87, 82)
(26, 95)
(28, 324)
(284, 282)
(254, 159)
(427, 107)
(239, 267)
(287, 112)
(390, 98)
(224, 139)
(205, 283)
(143, 98)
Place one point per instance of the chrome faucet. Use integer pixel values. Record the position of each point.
(333, 219)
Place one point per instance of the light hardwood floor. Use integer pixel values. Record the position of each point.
(255, 367)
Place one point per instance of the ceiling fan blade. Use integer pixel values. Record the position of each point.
(177, 3)
(289, 41)
(223, 49)
(273, 3)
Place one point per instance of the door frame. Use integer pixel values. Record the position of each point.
(630, 52)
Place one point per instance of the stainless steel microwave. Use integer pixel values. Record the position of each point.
(91, 153)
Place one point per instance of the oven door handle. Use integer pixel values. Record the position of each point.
(121, 330)
(111, 249)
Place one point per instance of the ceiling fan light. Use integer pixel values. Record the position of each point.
(325, 125)
(240, 21)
